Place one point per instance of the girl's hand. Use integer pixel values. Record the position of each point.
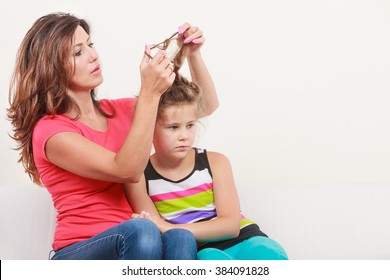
(160, 223)
(192, 36)
(156, 73)
(143, 214)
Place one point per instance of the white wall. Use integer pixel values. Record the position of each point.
(304, 113)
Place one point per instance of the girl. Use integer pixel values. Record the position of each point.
(190, 188)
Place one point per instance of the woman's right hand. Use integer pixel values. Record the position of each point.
(156, 73)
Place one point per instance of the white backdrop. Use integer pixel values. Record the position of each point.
(304, 114)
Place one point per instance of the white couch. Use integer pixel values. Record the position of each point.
(311, 222)
(27, 222)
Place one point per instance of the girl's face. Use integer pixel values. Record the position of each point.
(87, 73)
(175, 131)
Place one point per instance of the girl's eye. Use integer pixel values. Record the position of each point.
(190, 125)
(91, 45)
(172, 127)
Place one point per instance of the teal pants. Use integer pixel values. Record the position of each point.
(254, 248)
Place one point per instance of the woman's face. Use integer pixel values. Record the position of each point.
(85, 63)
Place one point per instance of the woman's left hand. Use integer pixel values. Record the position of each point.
(191, 36)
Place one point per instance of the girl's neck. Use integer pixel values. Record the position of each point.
(174, 169)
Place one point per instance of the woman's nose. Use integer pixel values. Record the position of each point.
(93, 54)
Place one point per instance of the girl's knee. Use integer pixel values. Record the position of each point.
(213, 254)
(266, 248)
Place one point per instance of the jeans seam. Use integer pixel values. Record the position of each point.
(98, 240)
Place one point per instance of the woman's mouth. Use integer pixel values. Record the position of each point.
(96, 70)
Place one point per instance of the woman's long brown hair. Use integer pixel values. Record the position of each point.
(41, 79)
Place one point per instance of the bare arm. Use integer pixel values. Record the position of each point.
(139, 199)
(227, 223)
(78, 155)
(198, 69)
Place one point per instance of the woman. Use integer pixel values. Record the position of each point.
(82, 149)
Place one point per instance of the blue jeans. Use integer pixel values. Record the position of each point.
(137, 239)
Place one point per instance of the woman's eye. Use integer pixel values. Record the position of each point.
(77, 53)
(91, 45)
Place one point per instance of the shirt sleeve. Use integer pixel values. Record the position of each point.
(125, 105)
(46, 128)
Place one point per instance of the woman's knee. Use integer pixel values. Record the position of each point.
(143, 229)
(179, 244)
(179, 233)
(142, 240)
(179, 238)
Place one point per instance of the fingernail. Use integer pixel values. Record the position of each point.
(195, 41)
(186, 41)
(180, 30)
(146, 47)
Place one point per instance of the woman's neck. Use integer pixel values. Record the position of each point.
(85, 103)
(87, 111)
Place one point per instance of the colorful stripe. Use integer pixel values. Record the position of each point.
(159, 185)
(245, 222)
(174, 215)
(192, 217)
(181, 204)
(181, 194)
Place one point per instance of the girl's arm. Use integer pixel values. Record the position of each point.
(198, 69)
(75, 153)
(140, 201)
(227, 223)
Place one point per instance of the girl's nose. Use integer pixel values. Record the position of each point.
(183, 135)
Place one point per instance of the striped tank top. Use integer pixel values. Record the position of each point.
(191, 199)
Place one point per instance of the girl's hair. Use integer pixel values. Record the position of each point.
(181, 92)
(41, 79)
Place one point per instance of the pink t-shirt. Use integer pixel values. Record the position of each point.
(85, 206)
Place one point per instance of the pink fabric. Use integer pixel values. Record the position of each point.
(85, 207)
(185, 193)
